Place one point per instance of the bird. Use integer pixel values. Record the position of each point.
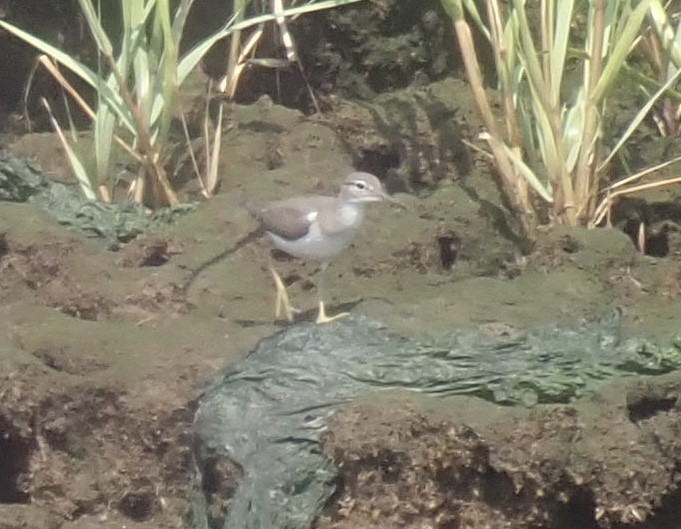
(317, 228)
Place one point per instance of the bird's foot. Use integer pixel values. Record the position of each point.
(323, 318)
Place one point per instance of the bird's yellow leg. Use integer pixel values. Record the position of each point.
(321, 316)
(282, 306)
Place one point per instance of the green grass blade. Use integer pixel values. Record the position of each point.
(96, 29)
(192, 58)
(472, 10)
(105, 126)
(561, 42)
(548, 143)
(180, 19)
(112, 98)
(641, 115)
(526, 172)
(454, 8)
(620, 51)
(529, 51)
(76, 164)
(573, 130)
(166, 93)
(79, 171)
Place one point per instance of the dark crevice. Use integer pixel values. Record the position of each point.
(379, 162)
(4, 247)
(139, 505)
(648, 407)
(15, 454)
(579, 511)
(448, 245)
(220, 478)
(653, 242)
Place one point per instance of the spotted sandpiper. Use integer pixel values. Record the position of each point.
(317, 228)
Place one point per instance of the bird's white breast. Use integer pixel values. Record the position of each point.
(352, 215)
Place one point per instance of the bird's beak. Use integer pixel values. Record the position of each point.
(393, 200)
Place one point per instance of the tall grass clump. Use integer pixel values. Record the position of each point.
(660, 50)
(136, 81)
(548, 142)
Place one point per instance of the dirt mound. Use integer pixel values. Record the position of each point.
(88, 453)
(594, 464)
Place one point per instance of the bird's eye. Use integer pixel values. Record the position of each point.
(360, 185)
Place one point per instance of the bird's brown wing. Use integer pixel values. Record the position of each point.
(286, 221)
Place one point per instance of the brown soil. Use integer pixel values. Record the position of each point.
(103, 353)
(462, 463)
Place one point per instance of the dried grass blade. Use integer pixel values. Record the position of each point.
(47, 63)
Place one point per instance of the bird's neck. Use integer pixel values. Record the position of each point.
(352, 213)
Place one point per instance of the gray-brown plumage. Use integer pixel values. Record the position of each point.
(317, 227)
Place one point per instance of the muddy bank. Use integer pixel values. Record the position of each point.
(610, 460)
(103, 352)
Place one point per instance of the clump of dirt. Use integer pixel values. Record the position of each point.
(82, 452)
(411, 137)
(354, 52)
(470, 465)
(41, 268)
(381, 46)
(149, 250)
(51, 273)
